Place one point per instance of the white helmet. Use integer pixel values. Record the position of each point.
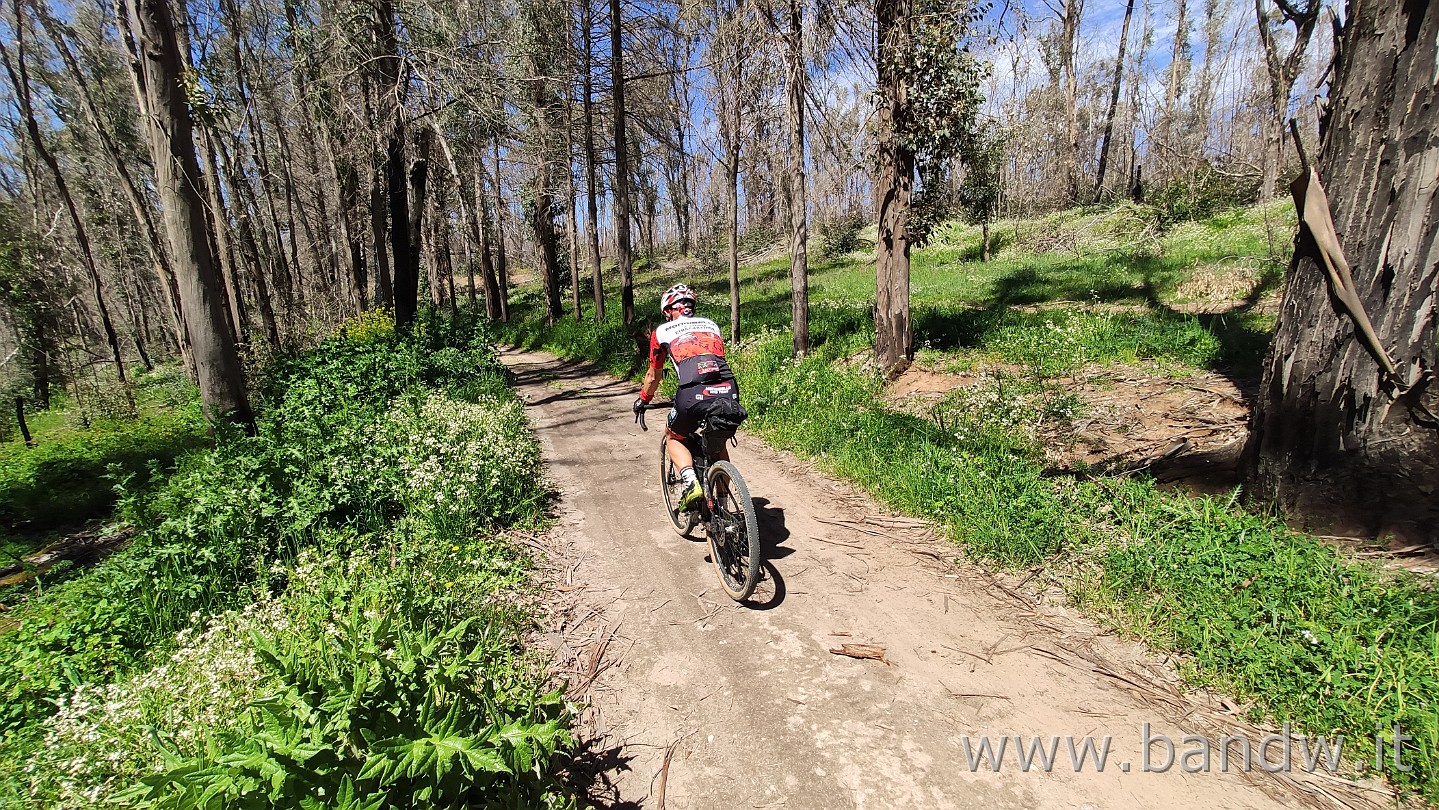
(674, 295)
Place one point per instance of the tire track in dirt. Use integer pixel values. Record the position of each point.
(696, 702)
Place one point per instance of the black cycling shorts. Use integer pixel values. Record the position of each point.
(692, 404)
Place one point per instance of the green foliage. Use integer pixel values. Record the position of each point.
(840, 235)
(982, 187)
(942, 79)
(378, 471)
(372, 709)
(1202, 194)
(68, 477)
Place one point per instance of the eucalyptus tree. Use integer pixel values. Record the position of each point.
(928, 83)
(591, 156)
(1115, 87)
(731, 42)
(1282, 67)
(789, 24)
(170, 128)
(1345, 425)
(622, 209)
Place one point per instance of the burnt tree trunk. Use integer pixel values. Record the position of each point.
(483, 231)
(1332, 439)
(623, 255)
(1108, 118)
(592, 226)
(502, 266)
(798, 236)
(408, 295)
(894, 337)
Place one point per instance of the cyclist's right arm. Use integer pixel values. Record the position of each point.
(656, 370)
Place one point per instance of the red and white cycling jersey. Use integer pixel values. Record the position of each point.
(695, 347)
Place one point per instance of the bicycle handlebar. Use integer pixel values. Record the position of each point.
(650, 406)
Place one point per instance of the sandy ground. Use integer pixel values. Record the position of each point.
(697, 702)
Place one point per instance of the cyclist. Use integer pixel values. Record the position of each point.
(696, 349)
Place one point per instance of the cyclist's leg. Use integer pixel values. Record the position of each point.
(682, 424)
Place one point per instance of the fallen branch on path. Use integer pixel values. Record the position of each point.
(872, 652)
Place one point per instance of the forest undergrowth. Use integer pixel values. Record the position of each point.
(326, 614)
(1295, 629)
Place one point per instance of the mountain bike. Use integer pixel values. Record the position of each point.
(725, 511)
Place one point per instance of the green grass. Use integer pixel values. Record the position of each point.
(69, 476)
(1276, 618)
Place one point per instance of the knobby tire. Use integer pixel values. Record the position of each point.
(734, 532)
(672, 485)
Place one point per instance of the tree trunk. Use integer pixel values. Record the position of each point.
(571, 225)
(622, 167)
(542, 213)
(1069, 81)
(1334, 437)
(20, 80)
(1178, 70)
(349, 213)
(467, 216)
(592, 225)
(1113, 107)
(249, 246)
(482, 239)
(380, 240)
(798, 238)
(139, 208)
(730, 116)
(1282, 71)
(224, 250)
(409, 294)
(894, 339)
(172, 149)
(501, 264)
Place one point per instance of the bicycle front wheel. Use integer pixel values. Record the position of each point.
(673, 487)
(734, 532)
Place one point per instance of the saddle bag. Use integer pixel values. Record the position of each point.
(724, 417)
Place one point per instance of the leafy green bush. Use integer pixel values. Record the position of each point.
(1202, 194)
(840, 235)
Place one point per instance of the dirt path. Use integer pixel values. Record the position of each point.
(698, 702)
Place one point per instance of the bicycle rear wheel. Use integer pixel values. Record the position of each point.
(673, 487)
(733, 532)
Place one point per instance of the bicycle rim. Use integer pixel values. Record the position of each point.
(734, 532)
(673, 486)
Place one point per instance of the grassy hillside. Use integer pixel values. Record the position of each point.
(1294, 628)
